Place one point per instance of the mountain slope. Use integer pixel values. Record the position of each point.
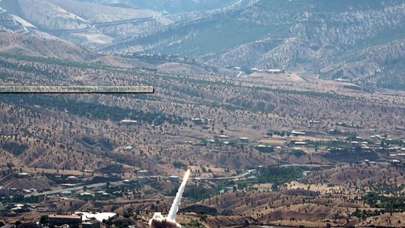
(311, 35)
(84, 23)
(10, 22)
(173, 6)
(324, 31)
(98, 13)
(49, 16)
(315, 36)
(42, 45)
(380, 65)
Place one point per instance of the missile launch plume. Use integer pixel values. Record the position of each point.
(159, 221)
(176, 203)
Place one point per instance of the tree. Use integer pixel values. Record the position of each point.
(44, 219)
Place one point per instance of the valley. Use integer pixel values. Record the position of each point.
(221, 127)
(287, 113)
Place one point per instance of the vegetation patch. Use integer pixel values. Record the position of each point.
(279, 175)
(92, 110)
(390, 203)
(14, 148)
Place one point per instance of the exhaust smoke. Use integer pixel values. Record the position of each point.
(159, 221)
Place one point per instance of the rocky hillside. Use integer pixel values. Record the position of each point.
(41, 45)
(84, 23)
(313, 35)
(380, 65)
(359, 41)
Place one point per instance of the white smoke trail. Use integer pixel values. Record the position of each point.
(176, 203)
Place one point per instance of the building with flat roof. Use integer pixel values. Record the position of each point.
(60, 220)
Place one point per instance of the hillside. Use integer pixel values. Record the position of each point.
(381, 65)
(173, 6)
(41, 45)
(345, 40)
(189, 89)
(296, 35)
(286, 113)
(87, 24)
(99, 13)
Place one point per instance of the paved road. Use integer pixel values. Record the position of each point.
(237, 177)
(118, 183)
(128, 21)
(101, 25)
(306, 165)
(58, 191)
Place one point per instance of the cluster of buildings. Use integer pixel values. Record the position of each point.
(375, 147)
(226, 140)
(78, 219)
(270, 71)
(255, 69)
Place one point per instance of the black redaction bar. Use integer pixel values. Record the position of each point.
(76, 89)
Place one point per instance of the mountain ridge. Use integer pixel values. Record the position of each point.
(312, 36)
